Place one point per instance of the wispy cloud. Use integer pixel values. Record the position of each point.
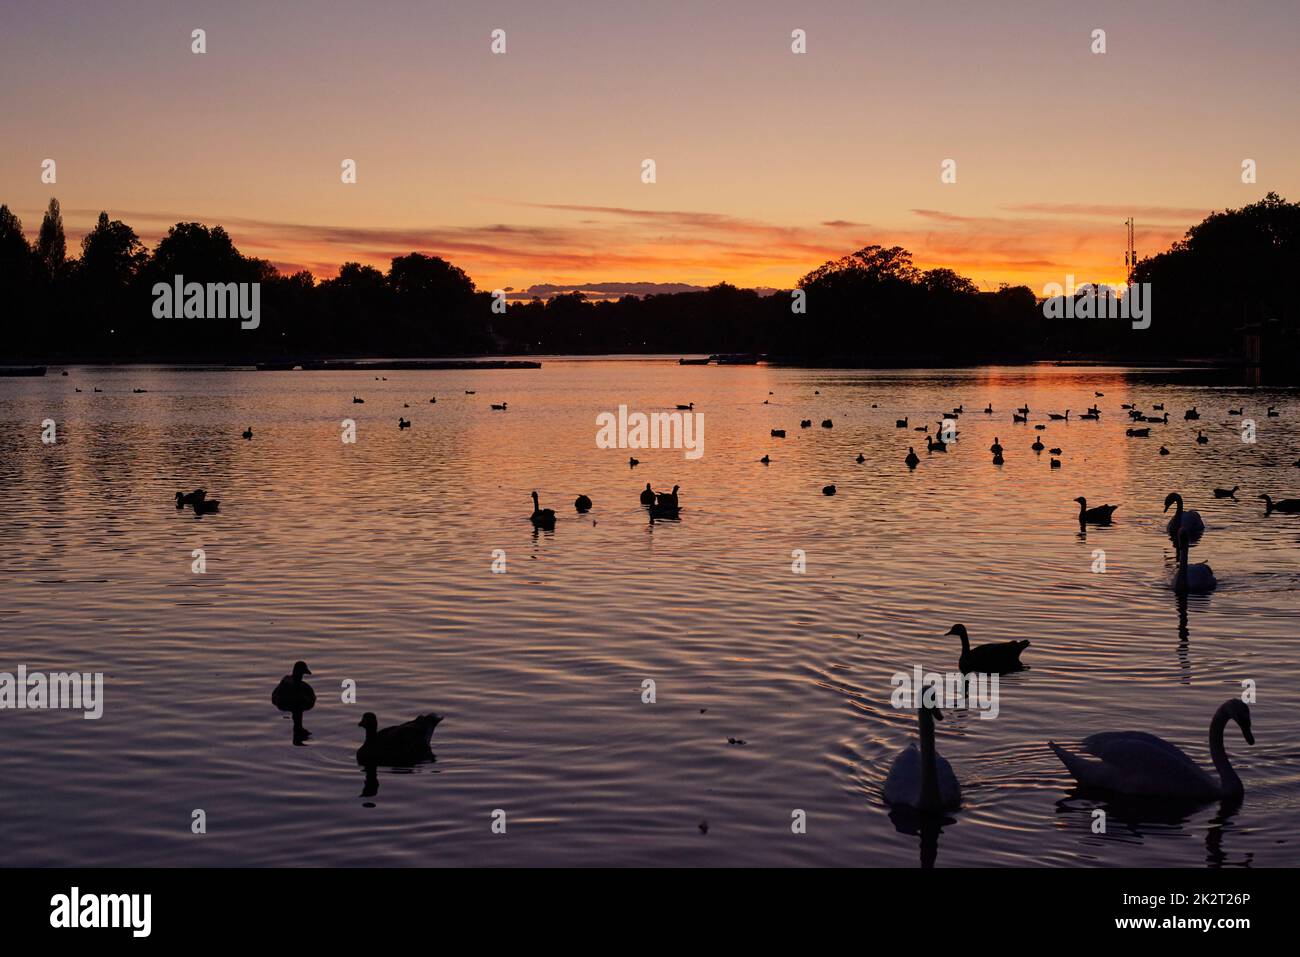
(598, 247)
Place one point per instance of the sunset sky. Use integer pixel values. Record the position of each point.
(524, 168)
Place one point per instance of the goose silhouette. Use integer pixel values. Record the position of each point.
(920, 778)
(1287, 506)
(543, 518)
(995, 658)
(1189, 520)
(901, 424)
(1099, 515)
(582, 503)
(1191, 415)
(861, 458)
(502, 407)
(1200, 438)
(687, 407)
(932, 446)
(292, 693)
(648, 495)
(996, 447)
(911, 460)
(765, 460)
(1226, 492)
(248, 432)
(1139, 764)
(1271, 413)
(1066, 417)
(1188, 578)
(1038, 445)
(1163, 450)
(402, 745)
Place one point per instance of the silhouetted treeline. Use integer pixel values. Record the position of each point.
(1231, 274)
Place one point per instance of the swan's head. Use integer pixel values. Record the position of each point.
(959, 631)
(299, 669)
(1081, 500)
(369, 721)
(1266, 498)
(180, 497)
(1239, 712)
(1173, 498)
(534, 500)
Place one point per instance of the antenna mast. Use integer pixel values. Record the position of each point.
(1130, 253)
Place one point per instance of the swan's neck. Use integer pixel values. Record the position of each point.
(1178, 508)
(1229, 783)
(965, 647)
(929, 797)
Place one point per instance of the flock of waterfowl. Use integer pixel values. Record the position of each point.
(1131, 763)
(1127, 764)
(402, 745)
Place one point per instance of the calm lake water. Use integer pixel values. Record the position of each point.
(373, 562)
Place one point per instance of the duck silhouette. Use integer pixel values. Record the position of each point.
(912, 461)
(183, 499)
(292, 693)
(402, 745)
(648, 494)
(582, 503)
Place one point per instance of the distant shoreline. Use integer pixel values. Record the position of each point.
(534, 361)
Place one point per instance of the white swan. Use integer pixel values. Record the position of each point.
(1191, 578)
(1140, 764)
(1189, 520)
(919, 778)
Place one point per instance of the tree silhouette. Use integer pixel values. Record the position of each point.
(51, 247)
(1226, 279)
